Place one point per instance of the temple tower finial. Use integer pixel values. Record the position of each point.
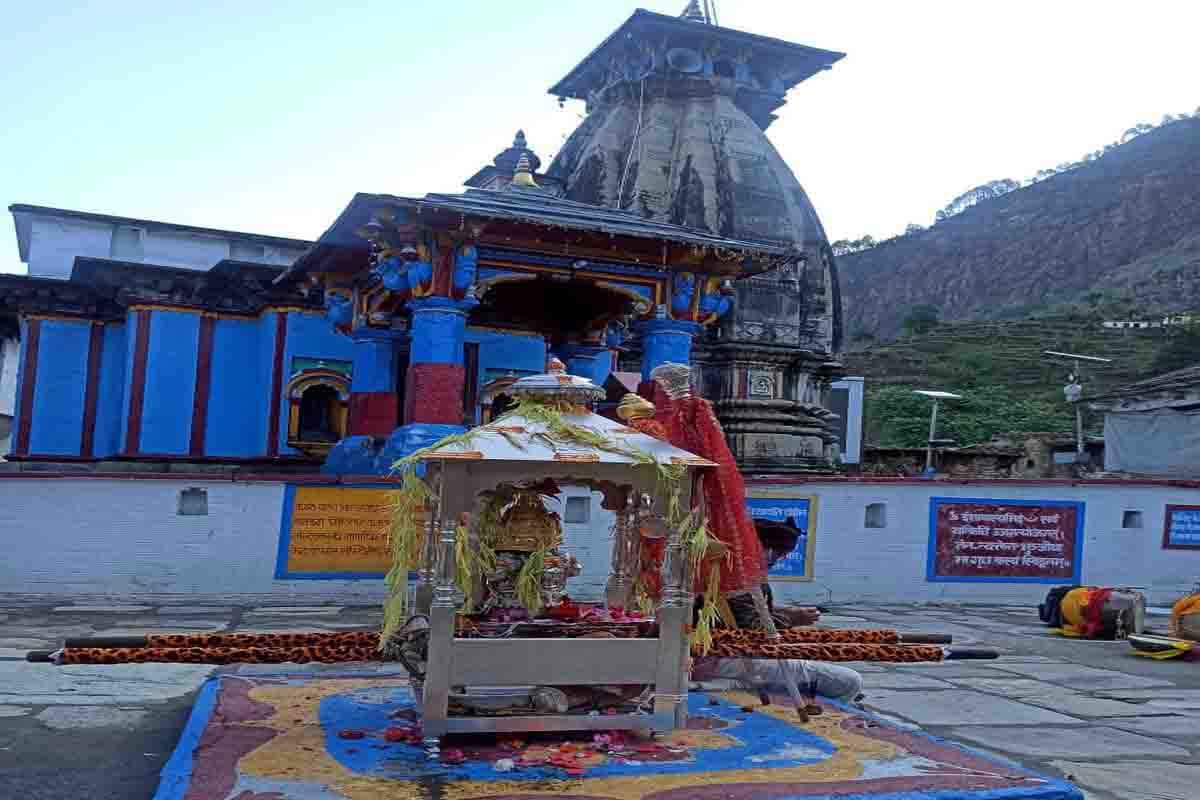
(694, 12)
(523, 174)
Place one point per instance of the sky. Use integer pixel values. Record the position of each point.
(267, 117)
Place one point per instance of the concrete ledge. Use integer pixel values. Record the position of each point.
(192, 471)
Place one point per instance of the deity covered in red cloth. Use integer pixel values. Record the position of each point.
(692, 425)
(688, 422)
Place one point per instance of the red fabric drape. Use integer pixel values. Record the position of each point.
(1093, 616)
(691, 424)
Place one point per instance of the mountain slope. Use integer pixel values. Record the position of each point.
(1127, 223)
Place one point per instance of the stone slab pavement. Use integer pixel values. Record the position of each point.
(1120, 726)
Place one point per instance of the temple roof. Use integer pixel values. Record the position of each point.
(102, 288)
(517, 438)
(533, 207)
(1178, 381)
(794, 62)
(677, 112)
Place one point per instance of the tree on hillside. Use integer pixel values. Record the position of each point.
(1182, 349)
(844, 247)
(895, 417)
(978, 194)
(921, 319)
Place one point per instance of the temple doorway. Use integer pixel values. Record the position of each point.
(318, 407)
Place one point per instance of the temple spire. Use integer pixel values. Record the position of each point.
(693, 12)
(523, 174)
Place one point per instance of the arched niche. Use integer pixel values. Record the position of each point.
(318, 404)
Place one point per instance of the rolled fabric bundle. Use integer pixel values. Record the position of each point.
(371, 638)
(215, 655)
(891, 653)
(338, 655)
(270, 640)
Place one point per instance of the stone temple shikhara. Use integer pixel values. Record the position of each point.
(677, 112)
(668, 228)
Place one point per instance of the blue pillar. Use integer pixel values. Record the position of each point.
(593, 362)
(438, 329)
(433, 392)
(665, 340)
(373, 409)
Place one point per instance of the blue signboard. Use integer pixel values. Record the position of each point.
(794, 511)
(1181, 530)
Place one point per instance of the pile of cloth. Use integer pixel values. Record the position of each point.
(1093, 612)
(1185, 618)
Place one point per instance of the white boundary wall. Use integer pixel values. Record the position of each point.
(125, 537)
(853, 562)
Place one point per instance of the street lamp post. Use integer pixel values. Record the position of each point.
(936, 396)
(1073, 392)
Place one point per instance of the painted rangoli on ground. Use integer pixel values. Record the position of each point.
(356, 738)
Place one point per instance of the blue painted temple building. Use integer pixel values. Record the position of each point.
(667, 229)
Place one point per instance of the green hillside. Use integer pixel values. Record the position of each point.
(999, 368)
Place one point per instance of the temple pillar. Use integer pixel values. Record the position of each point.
(433, 393)
(663, 340)
(373, 408)
(666, 340)
(591, 361)
(434, 388)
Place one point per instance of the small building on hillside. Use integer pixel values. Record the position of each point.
(1152, 427)
(1048, 454)
(1010, 455)
(976, 461)
(1143, 324)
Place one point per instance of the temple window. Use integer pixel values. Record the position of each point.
(193, 502)
(875, 515)
(1131, 519)
(578, 510)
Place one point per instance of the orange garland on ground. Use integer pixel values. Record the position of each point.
(337, 655)
(888, 653)
(750, 636)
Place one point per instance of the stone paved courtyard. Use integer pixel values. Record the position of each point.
(1121, 727)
